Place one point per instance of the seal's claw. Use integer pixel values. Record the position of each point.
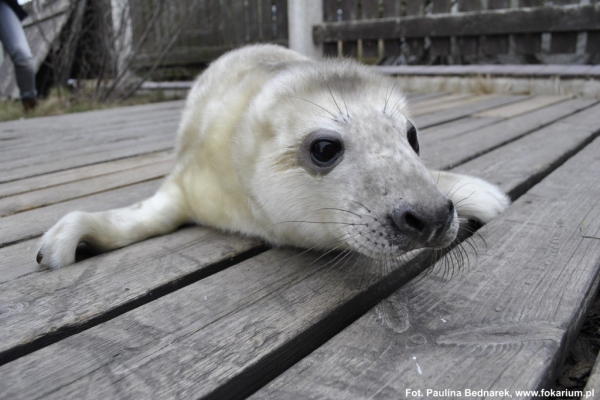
(39, 257)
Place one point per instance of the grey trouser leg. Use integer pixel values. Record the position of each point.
(15, 43)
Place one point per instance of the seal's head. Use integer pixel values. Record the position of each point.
(333, 162)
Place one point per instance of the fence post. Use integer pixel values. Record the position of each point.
(302, 15)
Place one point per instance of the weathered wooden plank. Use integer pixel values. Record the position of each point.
(416, 97)
(81, 173)
(281, 22)
(67, 191)
(436, 101)
(522, 107)
(267, 295)
(35, 128)
(451, 114)
(456, 100)
(497, 22)
(446, 148)
(28, 224)
(79, 137)
(242, 338)
(391, 8)
(125, 149)
(370, 9)
(17, 260)
(429, 136)
(86, 132)
(440, 6)
(58, 301)
(413, 7)
(504, 324)
(498, 4)
(519, 165)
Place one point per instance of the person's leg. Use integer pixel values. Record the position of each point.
(15, 43)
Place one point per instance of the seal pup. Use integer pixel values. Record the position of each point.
(297, 152)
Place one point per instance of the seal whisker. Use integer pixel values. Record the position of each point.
(315, 104)
(360, 204)
(340, 209)
(329, 88)
(318, 222)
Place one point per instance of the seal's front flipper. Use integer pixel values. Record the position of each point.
(107, 230)
(473, 198)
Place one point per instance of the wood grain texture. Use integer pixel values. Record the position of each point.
(77, 174)
(446, 146)
(29, 224)
(223, 334)
(522, 107)
(496, 22)
(503, 324)
(258, 318)
(520, 164)
(50, 302)
(455, 113)
(67, 191)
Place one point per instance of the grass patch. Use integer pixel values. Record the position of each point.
(68, 103)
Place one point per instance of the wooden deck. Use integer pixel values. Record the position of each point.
(202, 314)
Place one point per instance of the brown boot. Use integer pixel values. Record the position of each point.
(29, 104)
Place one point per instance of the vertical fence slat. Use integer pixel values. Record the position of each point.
(267, 20)
(440, 6)
(498, 4)
(281, 23)
(349, 10)
(370, 9)
(391, 8)
(330, 10)
(469, 5)
(414, 7)
(252, 31)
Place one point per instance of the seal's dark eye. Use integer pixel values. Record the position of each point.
(411, 134)
(325, 152)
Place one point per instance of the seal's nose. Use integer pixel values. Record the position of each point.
(420, 226)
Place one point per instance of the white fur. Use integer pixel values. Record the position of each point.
(238, 167)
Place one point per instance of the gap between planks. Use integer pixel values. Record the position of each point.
(64, 346)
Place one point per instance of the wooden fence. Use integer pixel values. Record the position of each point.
(203, 30)
(463, 31)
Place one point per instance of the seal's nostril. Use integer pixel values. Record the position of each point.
(409, 221)
(450, 207)
(414, 222)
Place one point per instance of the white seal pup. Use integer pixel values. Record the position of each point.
(297, 152)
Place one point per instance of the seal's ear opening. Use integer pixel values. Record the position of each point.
(321, 151)
(411, 135)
